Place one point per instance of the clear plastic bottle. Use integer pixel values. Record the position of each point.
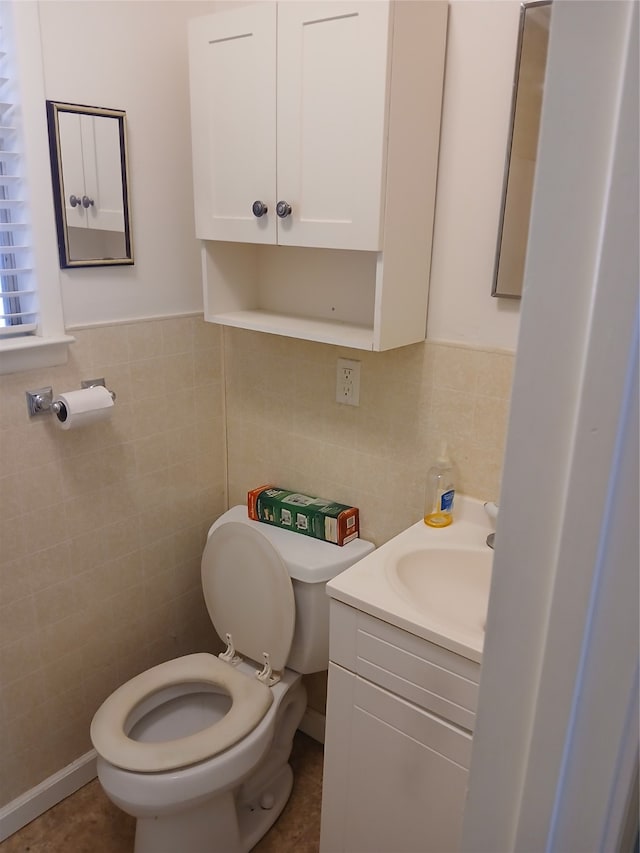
(440, 491)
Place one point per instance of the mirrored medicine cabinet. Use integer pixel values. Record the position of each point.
(88, 151)
(526, 108)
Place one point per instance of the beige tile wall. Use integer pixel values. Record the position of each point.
(101, 532)
(285, 427)
(101, 529)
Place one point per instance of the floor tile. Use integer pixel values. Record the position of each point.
(87, 822)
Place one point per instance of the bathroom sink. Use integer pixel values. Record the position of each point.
(446, 584)
(433, 583)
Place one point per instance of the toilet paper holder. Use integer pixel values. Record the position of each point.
(40, 401)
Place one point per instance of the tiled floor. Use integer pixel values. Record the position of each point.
(87, 822)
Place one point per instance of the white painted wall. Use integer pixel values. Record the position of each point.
(481, 49)
(133, 56)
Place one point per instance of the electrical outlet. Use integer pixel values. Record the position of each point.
(348, 382)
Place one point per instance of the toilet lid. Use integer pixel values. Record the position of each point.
(248, 592)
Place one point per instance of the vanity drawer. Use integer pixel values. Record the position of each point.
(431, 677)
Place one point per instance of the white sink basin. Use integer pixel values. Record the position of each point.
(431, 582)
(446, 584)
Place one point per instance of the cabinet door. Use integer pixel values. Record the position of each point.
(395, 776)
(103, 172)
(332, 87)
(72, 167)
(233, 113)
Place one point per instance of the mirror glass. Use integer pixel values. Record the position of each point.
(531, 62)
(90, 186)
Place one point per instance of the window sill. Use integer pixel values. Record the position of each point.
(31, 353)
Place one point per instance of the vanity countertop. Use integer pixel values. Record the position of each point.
(433, 583)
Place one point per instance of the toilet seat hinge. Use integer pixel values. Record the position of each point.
(229, 654)
(266, 674)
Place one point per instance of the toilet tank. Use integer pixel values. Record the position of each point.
(311, 563)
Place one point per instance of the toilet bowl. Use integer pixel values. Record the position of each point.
(197, 748)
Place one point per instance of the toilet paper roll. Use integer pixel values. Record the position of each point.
(81, 408)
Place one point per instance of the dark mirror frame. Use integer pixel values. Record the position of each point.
(512, 230)
(54, 109)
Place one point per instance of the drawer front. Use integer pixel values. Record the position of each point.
(423, 673)
(423, 728)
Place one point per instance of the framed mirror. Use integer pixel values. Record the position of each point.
(88, 150)
(526, 107)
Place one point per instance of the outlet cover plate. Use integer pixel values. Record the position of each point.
(348, 382)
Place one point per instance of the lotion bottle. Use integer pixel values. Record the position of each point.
(440, 491)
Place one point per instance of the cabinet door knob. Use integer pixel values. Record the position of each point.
(283, 209)
(75, 201)
(86, 201)
(259, 208)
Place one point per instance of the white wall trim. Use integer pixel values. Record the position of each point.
(129, 321)
(560, 663)
(33, 352)
(441, 342)
(313, 724)
(33, 803)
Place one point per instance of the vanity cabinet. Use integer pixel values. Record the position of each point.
(400, 717)
(315, 132)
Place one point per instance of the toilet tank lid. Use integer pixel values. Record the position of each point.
(308, 560)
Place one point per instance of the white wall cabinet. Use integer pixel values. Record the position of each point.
(329, 113)
(290, 109)
(398, 739)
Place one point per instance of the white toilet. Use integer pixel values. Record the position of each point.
(197, 748)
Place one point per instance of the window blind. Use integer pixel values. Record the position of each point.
(18, 305)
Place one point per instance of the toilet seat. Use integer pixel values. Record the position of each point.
(249, 596)
(250, 702)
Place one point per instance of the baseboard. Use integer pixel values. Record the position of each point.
(33, 803)
(313, 724)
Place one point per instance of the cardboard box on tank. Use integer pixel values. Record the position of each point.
(311, 516)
